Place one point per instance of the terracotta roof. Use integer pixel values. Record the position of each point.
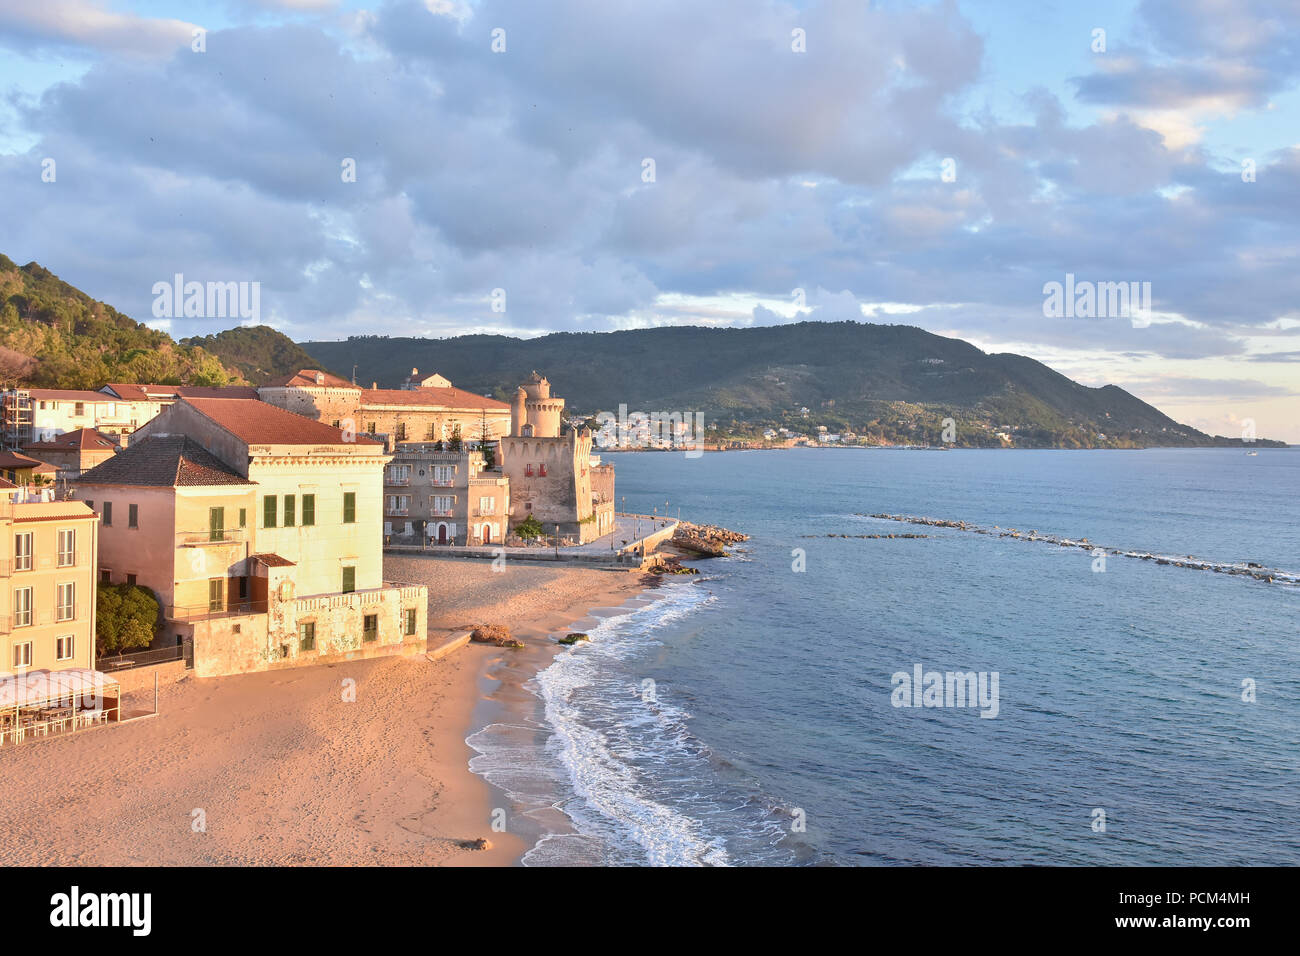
(6, 485)
(171, 461)
(445, 397)
(169, 393)
(272, 560)
(51, 510)
(70, 395)
(18, 461)
(86, 439)
(257, 423)
(306, 378)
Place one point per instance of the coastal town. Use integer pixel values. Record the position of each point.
(159, 532)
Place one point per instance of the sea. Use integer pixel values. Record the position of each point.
(755, 714)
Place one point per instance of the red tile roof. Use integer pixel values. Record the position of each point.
(169, 461)
(272, 560)
(306, 378)
(445, 397)
(69, 395)
(18, 462)
(6, 485)
(257, 423)
(86, 439)
(169, 393)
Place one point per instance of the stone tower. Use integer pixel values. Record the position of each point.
(534, 413)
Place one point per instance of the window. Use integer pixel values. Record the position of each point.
(243, 587)
(541, 469)
(79, 408)
(401, 431)
(130, 580)
(443, 504)
(133, 516)
(429, 433)
(67, 547)
(337, 424)
(243, 517)
(307, 636)
(349, 507)
(105, 576)
(372, 429)
(63, 647)
(216, 524)
(108, 514)
(23, 655)
(443, 474)
(349, 579)
(268, 511)
(216, 594)
(408, 621)
(23, 551)
(22, 607)
(487, 505)
(290, 510)
(370, 628)
(308, 510)
(65, 601)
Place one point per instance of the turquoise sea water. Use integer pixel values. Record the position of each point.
(746, 718)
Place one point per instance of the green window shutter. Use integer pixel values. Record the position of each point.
(308, 510)
(349, 580)
(290, 509)
(349, 507)
(216, 524)
(268, 511)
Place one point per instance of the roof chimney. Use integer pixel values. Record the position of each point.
(414, 372)
(320, 378)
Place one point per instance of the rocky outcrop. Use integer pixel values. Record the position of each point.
(573, 638)
(707, 540)
(496, 634)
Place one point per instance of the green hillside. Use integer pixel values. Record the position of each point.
(888, 383)
(55, 336)
(259, 353)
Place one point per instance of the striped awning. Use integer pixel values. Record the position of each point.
(33, 688)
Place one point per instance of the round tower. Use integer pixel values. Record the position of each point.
(518, 413)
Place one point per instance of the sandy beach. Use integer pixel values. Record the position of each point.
(280, 768)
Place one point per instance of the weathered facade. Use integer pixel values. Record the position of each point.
(437, 497)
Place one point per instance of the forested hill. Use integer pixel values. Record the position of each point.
(55, 336)
(886, 382)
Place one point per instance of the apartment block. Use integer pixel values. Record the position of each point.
(47, 581)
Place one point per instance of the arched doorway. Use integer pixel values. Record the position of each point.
(442, 534)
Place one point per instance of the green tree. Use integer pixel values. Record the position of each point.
(529, 528)
(126, 616)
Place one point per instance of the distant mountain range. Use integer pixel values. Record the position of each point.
(890, 383)
(887, 383)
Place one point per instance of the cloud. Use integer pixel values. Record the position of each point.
(25, 26)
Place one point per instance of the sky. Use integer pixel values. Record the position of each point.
(439, 167)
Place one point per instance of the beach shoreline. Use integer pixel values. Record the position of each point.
(352, 763)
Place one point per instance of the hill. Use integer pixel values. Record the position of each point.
(888, 383)
(259, 353)
(54, 335)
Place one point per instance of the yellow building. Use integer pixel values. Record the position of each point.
(261, 533)
(47, 582)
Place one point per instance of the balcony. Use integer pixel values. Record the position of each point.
(442, 482)
(397, 482)
(191, 539)
(201, 612)
(441, 512)
(397, 512)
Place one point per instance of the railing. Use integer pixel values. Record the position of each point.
(126, 660)
(199, 612)
(397, 512)
(397, 482)
(442, 512)
(211, 536)
(443, 482)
